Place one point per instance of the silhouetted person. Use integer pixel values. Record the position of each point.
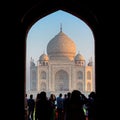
(43, 107)
(36, 100)
(65, 104)
(31, 105)
(91, 106)
(63, 112)
(26, 107)
(75, 106)
(59, 106)
(52, 99)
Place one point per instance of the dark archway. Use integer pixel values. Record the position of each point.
(34, 14)
(38, 11)
(25, 14)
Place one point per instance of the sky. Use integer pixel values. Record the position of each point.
(46, 28)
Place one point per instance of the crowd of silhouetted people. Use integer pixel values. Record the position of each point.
(70, 106)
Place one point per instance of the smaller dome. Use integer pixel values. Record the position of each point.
(44, 57)
(90, 63)
(79, 57)
(32, 62)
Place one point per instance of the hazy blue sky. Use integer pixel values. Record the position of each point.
(46, 28)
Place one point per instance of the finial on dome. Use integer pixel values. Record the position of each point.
(61, 27)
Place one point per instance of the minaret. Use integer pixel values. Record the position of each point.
(90, 63)
(32, 62)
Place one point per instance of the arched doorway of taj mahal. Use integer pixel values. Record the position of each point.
(61, 81)
(60, 58)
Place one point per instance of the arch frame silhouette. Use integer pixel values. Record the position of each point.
(38, 10)
(42, 9)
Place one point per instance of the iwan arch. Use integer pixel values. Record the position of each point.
(19, 20)
(89, 11)
(62, 69)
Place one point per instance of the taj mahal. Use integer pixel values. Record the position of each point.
(61, 69)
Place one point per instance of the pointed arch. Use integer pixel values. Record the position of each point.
(88, 75)
(61, 81)
(80, 75)
(43, 75)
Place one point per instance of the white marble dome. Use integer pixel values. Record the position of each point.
(61, 46)
(43, 57)
(79, 57)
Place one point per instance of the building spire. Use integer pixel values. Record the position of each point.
(61, 27)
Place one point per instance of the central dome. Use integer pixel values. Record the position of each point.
(61, 47)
